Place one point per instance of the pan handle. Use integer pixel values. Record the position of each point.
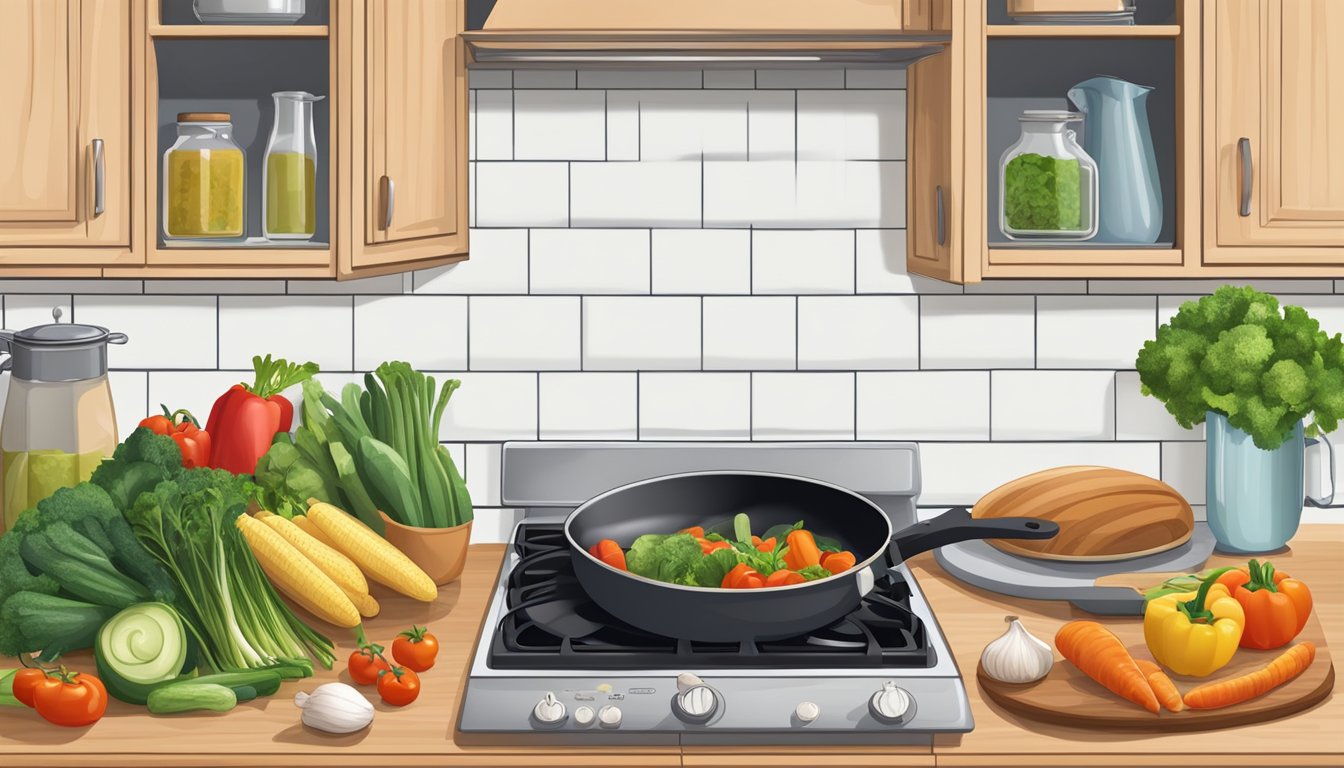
(958, 525)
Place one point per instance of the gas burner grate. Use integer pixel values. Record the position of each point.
(551, 621)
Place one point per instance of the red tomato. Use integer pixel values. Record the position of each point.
(25, 683)
(366, 664)
(79, 702)
(415, 649)
(399, 687)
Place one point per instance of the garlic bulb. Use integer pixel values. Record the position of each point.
(335, 708)
(1017, 656)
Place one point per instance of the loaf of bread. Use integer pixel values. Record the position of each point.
(1103, 513)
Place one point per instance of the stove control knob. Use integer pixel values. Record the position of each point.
(891, 705)
(807, 712)
(549, 711)
(609, 716)
(584, 716)
(696, 704)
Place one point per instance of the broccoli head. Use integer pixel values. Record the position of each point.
(137, 465)
(159, 450)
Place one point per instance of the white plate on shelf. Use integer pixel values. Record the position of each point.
(250, 11)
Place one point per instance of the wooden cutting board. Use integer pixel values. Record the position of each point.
(1068, 697)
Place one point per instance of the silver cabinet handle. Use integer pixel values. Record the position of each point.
(942, 216)
(389, 190)
(1247, 174)
(99, 177)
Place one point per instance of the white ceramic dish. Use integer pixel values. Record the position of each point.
(249, 11)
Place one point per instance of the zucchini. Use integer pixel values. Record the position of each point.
(140, 648)
(191, 697)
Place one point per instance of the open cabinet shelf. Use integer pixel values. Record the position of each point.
(1084, 31)
(229, 31)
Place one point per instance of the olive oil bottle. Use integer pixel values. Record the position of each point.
(289, 203)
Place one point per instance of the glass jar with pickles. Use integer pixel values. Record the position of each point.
(204, 180)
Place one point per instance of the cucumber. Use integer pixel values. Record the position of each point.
(140, 648)
(245, 685)
(191, 697)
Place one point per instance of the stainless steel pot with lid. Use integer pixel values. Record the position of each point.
(58, 351)
(59, 423)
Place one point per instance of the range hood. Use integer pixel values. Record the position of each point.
(700, 33)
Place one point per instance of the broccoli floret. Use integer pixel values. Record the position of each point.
(14, 574)
(137, 465)
(159, 450)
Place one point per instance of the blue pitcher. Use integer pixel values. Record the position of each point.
(1118, 137)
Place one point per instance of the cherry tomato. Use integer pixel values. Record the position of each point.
(71, 700)
(415, 649)
(398, 686)
(26, 682)
(366, 664)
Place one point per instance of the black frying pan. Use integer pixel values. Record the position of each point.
(669, 504)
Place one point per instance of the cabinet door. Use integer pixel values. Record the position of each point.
(65, 129)
(1279, 125)
(416, 128)
(931, 194)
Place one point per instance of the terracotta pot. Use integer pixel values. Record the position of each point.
(440, 552)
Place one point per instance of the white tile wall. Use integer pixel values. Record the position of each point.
(701, 189)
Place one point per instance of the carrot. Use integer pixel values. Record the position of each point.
(1162, 685)
(1096, 651)
(837, 562)
(609, 552)
(1225, 693)
(783, 578)
(698, 531)
(803, 550)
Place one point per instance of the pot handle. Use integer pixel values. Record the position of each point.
(958, 525)
(1327, 501)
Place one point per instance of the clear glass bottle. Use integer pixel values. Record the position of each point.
(289, 193)
(1047, 183)
(204, 180)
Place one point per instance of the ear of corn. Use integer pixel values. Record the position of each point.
(307, 527)
(364, 603)
(337, 566)
(296, 576)
(379, 560)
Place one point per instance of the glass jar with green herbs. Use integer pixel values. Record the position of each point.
(1048, 184)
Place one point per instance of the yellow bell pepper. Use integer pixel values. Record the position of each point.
(1194, 633)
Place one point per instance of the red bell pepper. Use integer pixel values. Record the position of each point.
(246, 419)
(193, 441)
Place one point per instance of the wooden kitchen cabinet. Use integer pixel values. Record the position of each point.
(92, 88)
(415, 141)
(1275, 126)
(930, 192)
(65, 133)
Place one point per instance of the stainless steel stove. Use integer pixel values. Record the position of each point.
(553, 668)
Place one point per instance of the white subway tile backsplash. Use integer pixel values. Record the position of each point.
(491, 407)
(1201, 287)
(793, 79)
(858, 332)
(130, 399)
(641, 333)
(1183, 469)
(521, 194)
(923, 405)
(802, 406)
(495, 526)
(168, 331)
(382, 285)
(489, 78)
(27, 310)
(296, 328)
(694, 406)
(214, 287)
(701, 261)
(25, 285)
(960, 473)
(545, 78)
(640, 78)
(525, 333)
(590, 261)
(498, 264)
(887, 77)
(743, 79)
(1092, 331)
(1142, 417)
(678, 125)
(559, 125)
(756, 333)
(793, 262)
(493, 131)
(772, 125)
(851, 125)
(483, 478)
(977, 331)
(880, 265)
(429, 332)
(589, 406)
(658, 194)
(1027, 287)
(812, 194)
(1053, 405)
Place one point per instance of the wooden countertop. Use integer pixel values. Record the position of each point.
(267, 732)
